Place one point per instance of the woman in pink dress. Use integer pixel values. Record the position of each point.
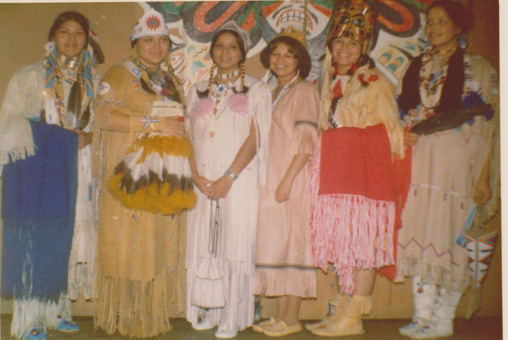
(284, 263)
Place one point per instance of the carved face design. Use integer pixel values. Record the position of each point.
(353, 20)
(281, 14)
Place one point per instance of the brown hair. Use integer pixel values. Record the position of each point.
(295, 47)
(67, 16)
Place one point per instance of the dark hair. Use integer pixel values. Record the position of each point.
(295, 47)
(239, 41)
(458, 14)
(67, 16)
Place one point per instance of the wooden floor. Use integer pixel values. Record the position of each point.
(486, 328)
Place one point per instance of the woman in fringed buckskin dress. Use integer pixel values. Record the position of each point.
(451, 170)
(140, 271)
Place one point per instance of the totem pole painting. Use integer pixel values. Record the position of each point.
(400, 36)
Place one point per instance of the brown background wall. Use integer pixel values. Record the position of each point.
(24, 29)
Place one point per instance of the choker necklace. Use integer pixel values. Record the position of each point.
(444, 52)
(70, 63)
(228, 76)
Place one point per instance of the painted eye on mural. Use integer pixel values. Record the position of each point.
(358, 22)
(344, 19)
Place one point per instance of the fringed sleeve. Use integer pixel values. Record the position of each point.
(262, 115)
(306, 107)
(488, 127)
(112, 97)
(23, 100)
(383, 105)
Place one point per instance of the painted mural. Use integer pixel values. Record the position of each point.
(399, 39)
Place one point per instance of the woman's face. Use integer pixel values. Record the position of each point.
(345, 52)
(70, 39)
(283, 63)
(226, 53)
(152, 50)
(440, 30)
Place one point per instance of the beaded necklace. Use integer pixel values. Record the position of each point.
(219, 93)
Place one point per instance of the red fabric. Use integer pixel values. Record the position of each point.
(402, 172)
(359, 162)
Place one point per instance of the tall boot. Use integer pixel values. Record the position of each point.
(351, 323)
(424, 297)
(339, 311)
(441, 325)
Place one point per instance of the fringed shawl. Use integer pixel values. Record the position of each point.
(354, 213)
(38, 211)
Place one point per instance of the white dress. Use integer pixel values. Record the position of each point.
(238, 211)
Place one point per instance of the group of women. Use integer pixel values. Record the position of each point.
(283, 182)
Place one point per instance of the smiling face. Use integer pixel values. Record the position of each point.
(226, 53)
(152, 50)
(283, 63)
(70, 39)
(345, 52)
(440, 30)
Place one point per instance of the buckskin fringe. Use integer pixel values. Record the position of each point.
(281, 281)
(136, 308)
(430, 274)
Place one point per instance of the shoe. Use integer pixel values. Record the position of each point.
(442, 330)
(67, 326)
(260, 326)
(281, 329)
(410, 328)
(35, 334)
(337, 314)
(351, 323)
(226, 333)
(203, 325)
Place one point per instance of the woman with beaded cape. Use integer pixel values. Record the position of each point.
(57, 91)
(354, 211)
(228, 121)
(284, 263)
(140, 274)
(451, 170)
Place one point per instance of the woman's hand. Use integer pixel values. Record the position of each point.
(410, 138)
(283, 190)
(203, 184)
(221, 187)
(84, 138)
(173, 126)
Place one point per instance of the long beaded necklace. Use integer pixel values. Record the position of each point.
(431, 83)
(220, 92)
(68, 72)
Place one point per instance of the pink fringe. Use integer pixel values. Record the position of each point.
(202, 108)
(239, 104)
(350, 231)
